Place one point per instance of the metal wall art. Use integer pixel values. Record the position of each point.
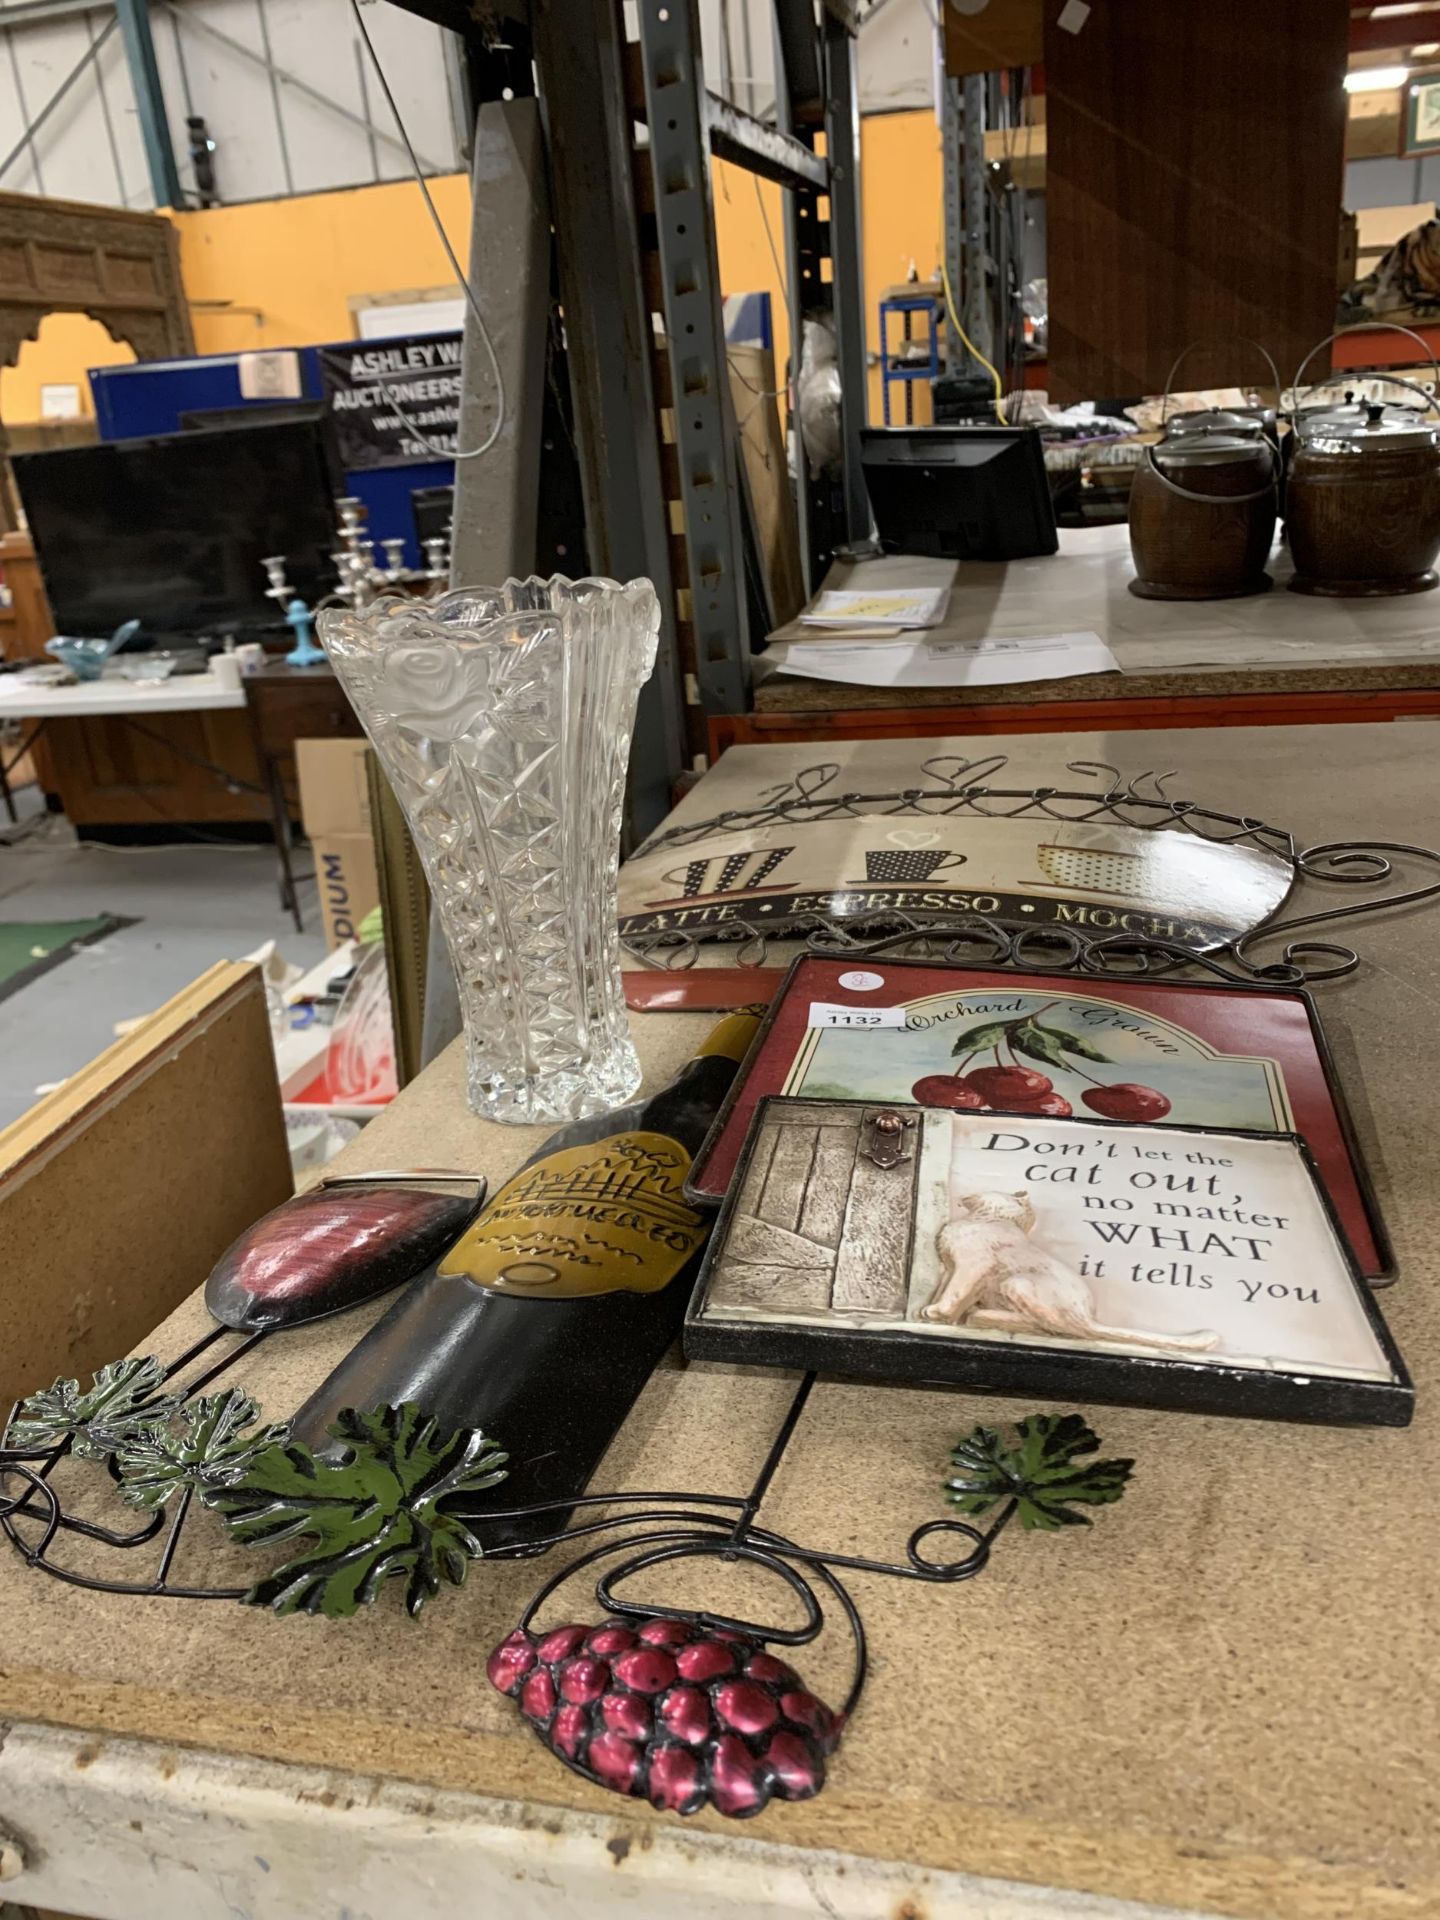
(1021, 1253)
(1110, 876)
(683, 1707)
(350, 1238)
(1175, 1053)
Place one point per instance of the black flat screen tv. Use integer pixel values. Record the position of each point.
(171, 531)
(960, 493)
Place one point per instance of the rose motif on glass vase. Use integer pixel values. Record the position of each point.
(436, 691)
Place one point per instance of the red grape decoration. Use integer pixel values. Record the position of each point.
(682, 1716)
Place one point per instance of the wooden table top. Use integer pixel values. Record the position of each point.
(1221, 1697)
(1270, 643)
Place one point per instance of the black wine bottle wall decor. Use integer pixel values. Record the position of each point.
(544, 1321)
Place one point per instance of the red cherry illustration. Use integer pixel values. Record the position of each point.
(1126, 1100)
(773, 1672)
(559, 1644)
(582, 1680)
(799, 1771)
(663, 1632)
(608, 1640)
(1053, 1104)
(945, 1090)
(1006, 1086)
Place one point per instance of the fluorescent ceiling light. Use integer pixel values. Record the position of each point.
(1374, 79)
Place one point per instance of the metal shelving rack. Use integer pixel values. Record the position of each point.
(630, 125)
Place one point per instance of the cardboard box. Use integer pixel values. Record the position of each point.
(335, 810)
(96, 1250)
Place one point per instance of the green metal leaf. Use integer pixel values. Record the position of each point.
(117, 1404)
(1039, 1043)
(975, 1039)
(215, 1444)
(372, 1512)
(1082, 1048)
(1043, 1474)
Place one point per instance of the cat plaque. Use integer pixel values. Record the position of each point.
(1017, 1253)
(1251, 1059)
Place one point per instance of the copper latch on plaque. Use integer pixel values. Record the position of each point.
(884, 1139)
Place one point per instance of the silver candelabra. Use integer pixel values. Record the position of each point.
(360, 576)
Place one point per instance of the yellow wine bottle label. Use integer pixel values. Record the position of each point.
(609, 1217)
(731, 1039)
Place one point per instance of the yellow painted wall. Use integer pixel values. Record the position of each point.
(67, 344)
(902, 219)
(299, 260)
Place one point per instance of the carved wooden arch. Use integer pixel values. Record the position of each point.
(120, 268)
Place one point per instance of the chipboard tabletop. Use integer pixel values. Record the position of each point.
(1217, 1699)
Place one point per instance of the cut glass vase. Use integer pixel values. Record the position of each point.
(503, 716)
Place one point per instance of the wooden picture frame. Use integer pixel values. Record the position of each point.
(1421, 120)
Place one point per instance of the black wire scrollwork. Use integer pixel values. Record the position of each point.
(960, 788)
(635, 1531)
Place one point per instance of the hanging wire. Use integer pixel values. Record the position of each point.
(974, 350)
(471, 297)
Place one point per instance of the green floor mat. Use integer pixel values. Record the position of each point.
(29, 948)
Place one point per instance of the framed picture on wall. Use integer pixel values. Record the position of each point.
(1422, 113)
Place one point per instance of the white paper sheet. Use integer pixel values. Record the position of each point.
(986, 662)
(840, 607)
(1085, 588)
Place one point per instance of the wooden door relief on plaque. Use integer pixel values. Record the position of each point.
(824, 1215)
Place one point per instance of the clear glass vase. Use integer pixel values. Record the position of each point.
(502, 716)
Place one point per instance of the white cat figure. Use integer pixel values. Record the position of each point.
(994, 1275)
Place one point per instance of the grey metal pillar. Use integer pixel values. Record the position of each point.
(134, 17)
(497, 493)
(794, 299)
(842, 150)
(977, 315)
(690, 288)
(580, 54)
(954, 212)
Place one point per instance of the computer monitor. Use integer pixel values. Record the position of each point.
(255, 413)
(172, 530)
(960, 493)
(434, 509)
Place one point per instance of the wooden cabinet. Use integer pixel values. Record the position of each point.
(156, 769)
(1195, 172)
(295, 703)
